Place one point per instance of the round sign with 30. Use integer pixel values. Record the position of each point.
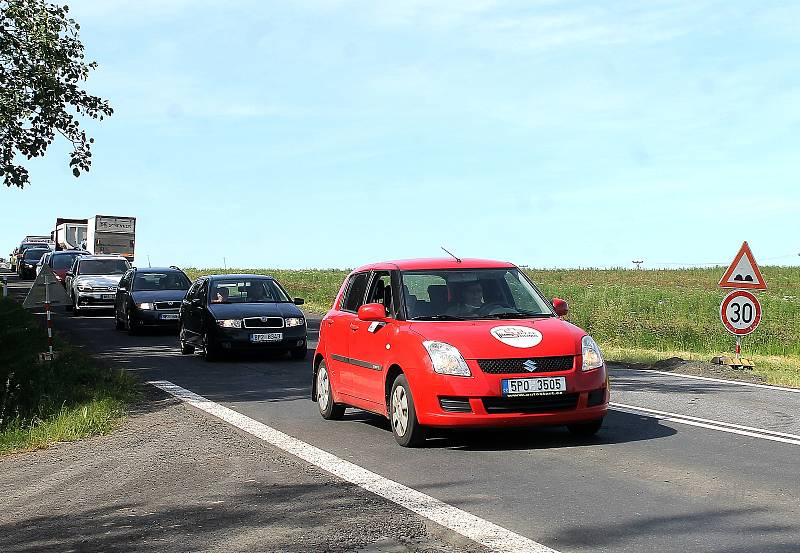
(740, 312)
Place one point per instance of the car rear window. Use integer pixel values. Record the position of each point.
(64, 261)
(34, 255)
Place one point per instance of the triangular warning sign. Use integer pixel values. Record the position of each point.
(743, 272)
(46, 284)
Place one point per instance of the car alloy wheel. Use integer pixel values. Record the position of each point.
(403, 416)
(327, 408)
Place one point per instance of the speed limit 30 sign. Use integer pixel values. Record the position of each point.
(740, 312)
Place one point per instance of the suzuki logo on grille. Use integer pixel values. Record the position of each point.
(530, 365)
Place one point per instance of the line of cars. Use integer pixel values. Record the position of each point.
(427, 344)
(216, 314)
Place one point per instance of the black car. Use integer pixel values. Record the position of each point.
(29, 260)
(150, 297)
(222, 313)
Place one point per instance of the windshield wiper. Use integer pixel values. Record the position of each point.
(519, 315)
(438, 318)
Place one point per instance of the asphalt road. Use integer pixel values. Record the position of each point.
(642, 484)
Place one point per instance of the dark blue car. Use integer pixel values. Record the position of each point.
(150, 298)
(223, 313)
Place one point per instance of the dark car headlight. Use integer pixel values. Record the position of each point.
(294, 321)
(229, 323)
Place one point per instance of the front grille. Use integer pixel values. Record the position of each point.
(263, 322)
(534, 404)
(104, 288)
(517, 365)
(455, 404)
(162, 305)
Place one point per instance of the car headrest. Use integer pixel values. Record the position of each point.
(438, 294)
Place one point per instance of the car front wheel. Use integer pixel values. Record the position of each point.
(403, 416)
(210, 348)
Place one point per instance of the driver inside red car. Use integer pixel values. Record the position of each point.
(470, 300)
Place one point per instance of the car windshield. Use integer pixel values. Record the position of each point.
(63, 260)
(34, 255)
(468, 294)
(172, 280)
(262, 290)
(102, 267)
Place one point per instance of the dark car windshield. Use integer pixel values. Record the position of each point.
(102, 267)
(262, 290)
(34, 254)
(172, 280)
(63, 260)
(467, 294)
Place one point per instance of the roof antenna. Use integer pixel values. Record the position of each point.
(451, 255)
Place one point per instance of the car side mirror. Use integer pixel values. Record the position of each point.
(299, 301)
(561, 307)
(372, 312)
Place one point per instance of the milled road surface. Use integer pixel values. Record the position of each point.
(642, 484)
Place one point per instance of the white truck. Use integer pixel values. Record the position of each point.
(107, 234)
(70, 234)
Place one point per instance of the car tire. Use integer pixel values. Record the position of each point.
(585, 429)
(298, 353)
(407, 430)
(327, 408)
(211, 350)
(130, 323)
(118, 324)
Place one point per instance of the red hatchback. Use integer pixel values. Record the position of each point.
(456, 343)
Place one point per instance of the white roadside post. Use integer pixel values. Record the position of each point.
(47, 291)
(5, 286)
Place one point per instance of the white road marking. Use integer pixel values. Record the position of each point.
(762, 433)
(735, 382)
(486, 533)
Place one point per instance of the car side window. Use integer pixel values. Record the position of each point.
(202, 292)
(354, 297)
(192, 293)
(125, 283)
(380, 290)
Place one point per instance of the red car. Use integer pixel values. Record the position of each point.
(456, 343)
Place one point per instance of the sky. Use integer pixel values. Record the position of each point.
(333, 133)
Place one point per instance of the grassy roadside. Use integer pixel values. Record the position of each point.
(636, 316)
(64, 400)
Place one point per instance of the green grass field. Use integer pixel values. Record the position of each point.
(636, 315)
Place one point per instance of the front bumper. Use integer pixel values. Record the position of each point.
(99, 300)
(235, 339)
(585, 399)
(156, 317)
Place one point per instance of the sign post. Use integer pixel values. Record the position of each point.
(47, 291)
(740, 311)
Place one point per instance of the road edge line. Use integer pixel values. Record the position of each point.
(490, 535)
(710, 379)
(709, 424)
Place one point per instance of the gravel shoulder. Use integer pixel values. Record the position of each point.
(694, 368)
(173, 479)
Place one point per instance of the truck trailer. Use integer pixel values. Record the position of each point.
(70, 234)
(107, 234)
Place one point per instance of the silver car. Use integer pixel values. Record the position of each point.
(92, 282)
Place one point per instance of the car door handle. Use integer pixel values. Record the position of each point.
(353, 326)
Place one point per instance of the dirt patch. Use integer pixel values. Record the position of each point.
(695, 368)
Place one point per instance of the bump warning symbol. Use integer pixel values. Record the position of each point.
(743, 272)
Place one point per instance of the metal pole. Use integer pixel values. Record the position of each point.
(738, 346)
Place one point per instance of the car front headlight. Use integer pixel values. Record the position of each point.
(592, 358)
(294, 321)
(229, 323)
(446, 359)
(145, 305)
